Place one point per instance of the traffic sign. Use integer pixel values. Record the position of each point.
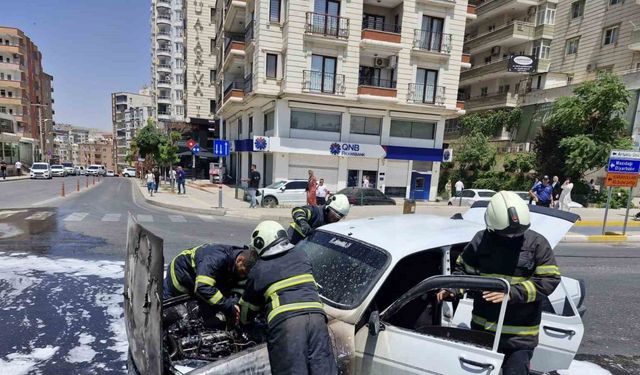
(624, 166)
(196, 149)
(191, 143)
(221, 147)
(624, 154)
(621, 179)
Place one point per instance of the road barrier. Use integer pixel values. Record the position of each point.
(78, 185)
(62, 191)
(219, 196)
(87, 180)
(93, 180)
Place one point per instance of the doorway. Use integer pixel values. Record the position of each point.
(431, 33)
(357, 178)
(326, 20)
(426, 82)
(420, 185)
(323, 72)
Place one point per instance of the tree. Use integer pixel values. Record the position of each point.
(168, 149)
(490, 123)
(148, 140)
(474, 155)
(584, 128)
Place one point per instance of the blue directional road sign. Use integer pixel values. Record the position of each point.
(196, 149)
(221, 147)
(624, 166)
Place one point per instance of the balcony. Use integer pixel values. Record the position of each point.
(164, 99)
(471, 12)
(377, 87)
(322, 83)
(12, 49)
(491, 101)
(248, 33)
(164, 83)
(508, 35)
(327, 26)
(231, 7)
(5, 100)
(490, 70)
(15, 66)
(235, 90)
(419, 93)
(164, 19)
(635, 40)
(4, 83)
(465, 61)
(427, 42)
(235, 43)
(164, 51)
(164, 3)
(164, 68)
(488, 8)
(163, 35)
(248, 84)
(382, 32)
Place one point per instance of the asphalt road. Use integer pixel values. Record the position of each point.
(61, 277)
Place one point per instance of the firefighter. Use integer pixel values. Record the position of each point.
(208, 270)
(508, 249)
(307, 218)
(282, 286)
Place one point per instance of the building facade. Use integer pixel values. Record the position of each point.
(168, 60)
(129, 113)
(97, 151)
(351, 90)
(25, 97)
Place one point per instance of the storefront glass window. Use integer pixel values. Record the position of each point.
(269, 121)
(328, 122)
(366, 125)
(412, 129)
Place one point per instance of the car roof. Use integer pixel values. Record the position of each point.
(419, 232)
(482, 190)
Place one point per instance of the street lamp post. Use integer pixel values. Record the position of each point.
(41, 126)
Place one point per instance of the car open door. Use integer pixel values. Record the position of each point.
(143, 299)
(395, 343)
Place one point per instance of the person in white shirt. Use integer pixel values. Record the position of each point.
(321, 193)
(18, 168)
(365, 182)
(151, 180)
(459, 187)
(172, 178)
(565, 195)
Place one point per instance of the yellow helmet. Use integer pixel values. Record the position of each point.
(507, 215)
(269, 238)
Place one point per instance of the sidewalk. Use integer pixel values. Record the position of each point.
(15, 178)
(202, 197)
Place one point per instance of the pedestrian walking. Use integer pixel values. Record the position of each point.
(321, 193)
(18, 166)
(281, 284)
(172, 179)
(459, 187)
(156, 180)
(508, 249)
(181, 177)
(542, 193)
(254, 184)
(150, 181)
(557, 189)
(365, 182)
(312, 186)
(565, 195)
(3, 169)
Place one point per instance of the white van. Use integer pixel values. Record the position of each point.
(96, 170)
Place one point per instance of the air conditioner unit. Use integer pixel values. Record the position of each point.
(393, 62)
(380, 62)
(495, 50)
(591, 67)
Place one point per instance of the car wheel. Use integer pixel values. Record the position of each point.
(270, 202)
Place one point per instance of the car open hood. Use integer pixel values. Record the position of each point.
(553, 224)
(143, 298)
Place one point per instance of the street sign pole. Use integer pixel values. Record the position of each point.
(626, 215)
(606, 211)
(193, 166)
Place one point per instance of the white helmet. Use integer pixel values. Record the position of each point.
(507, 215)
(269, 238)
(339, 203)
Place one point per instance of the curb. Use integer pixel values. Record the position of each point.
(15, 179)
(612, 223)
(598, 238)
(203, 211)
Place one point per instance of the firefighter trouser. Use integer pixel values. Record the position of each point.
(300, 345)
(517, 362)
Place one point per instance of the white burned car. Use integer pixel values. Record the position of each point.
(377, 278)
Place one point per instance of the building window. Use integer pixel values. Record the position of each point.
(212, 46)
(269, 121)
(274, 10)
(484, 91)
(179, 94)
(212, 76)
(366, 125)
(272, 65)
(322, 121)
(212, 17)
(212, 106)
(547, 14)
(572, 46)
(179, 63)
(412, 129)
(179, 110)
(179, 79)
(542, 48)
(610, 36)
(615, 2)
(577, 9)
(250, 125)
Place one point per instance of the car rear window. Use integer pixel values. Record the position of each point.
(486, 194)
(345, 270)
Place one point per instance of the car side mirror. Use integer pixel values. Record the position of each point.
(282, 188)
(375, 326)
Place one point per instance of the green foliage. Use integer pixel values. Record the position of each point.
(148, 140)
(475, 153)
(522, 163)
(168, 149)
(584, 128)
(490, 123)
(619, 198)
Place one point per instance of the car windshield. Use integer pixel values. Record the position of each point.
(69, 165)
(56, 167)
(39, 166)
(486, 194)
(345, 270)
(93, 167)
(276, 185)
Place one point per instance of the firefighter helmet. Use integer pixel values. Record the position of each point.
(339, 203)
(507, 215)
(269, 238)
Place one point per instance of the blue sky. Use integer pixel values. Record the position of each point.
(91, 47)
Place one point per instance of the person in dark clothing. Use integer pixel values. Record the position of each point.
(254, 184)
(156, 174)
(208, 272)
(3, 169)
(556, 187)
(542, 193)
(180, 178)
(282, 285)
(307, 218)
(510, 250)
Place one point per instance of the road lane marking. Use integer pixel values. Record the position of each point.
(207, 218)
(177, 219)
(76, 216)
(111, 217)
(145, 218)
(42, 215)
(6, 214)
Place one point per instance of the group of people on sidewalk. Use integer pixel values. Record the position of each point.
(317, 191)
(552, 194)
(175, 175)
(3, 169)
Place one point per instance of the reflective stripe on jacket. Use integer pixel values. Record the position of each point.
(313, 215)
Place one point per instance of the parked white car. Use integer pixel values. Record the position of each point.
(285, 192)
(129, 172)
(377, 278)
(58, 170)
(96, 170)
(110, 173)
(70, 169)
(40, 170)
(471, 196)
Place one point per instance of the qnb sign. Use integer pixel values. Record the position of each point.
(345, 149)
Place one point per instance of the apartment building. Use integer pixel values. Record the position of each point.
(348, 89)
(25, 92)
(168, 60)
(129, 113)
(97, 151)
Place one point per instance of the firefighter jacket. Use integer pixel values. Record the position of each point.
(282, 285)
(204, 270)
(306, 219)
(528, 264)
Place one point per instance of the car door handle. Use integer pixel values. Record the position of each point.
(485, 366)
(569, 332)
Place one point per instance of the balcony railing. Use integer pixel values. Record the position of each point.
(376, 82)
(165, 33)
(325, 83)
(427, 94)
(166, 112)
(430, 41)
(164, 98)
(248, 84)
(164, 81)
(166, 50)
(164, 66)
(232, 38)
(235, 85)
(379, 26)
(164, 17)
(248, 33)
(327, 25)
